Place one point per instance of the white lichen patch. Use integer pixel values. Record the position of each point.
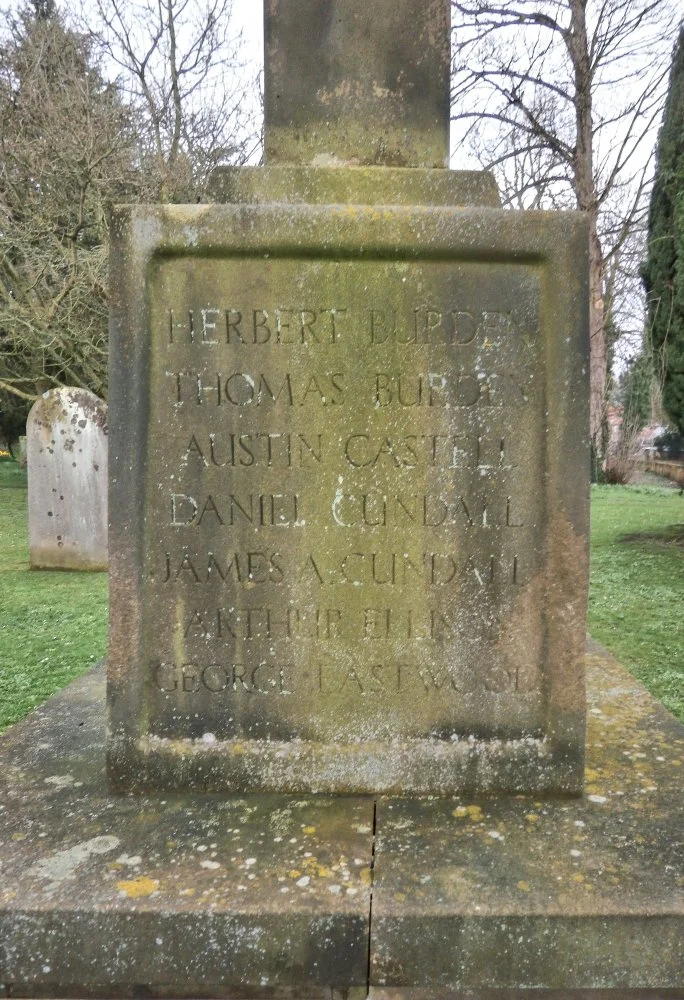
(63, 864)
(129, 859)
(60, 780)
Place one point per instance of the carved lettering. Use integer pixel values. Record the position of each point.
(411, 500)
(275, 510)
(238, 567)
(436, 451)
(264, 678)
(243, 326)
(324, 624)
(242, 389)
(363, 679)
(435, 569)
(264, 449)
(376, 509)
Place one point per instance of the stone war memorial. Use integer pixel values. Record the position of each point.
(351, 741)
(349, 453)
(66, 455)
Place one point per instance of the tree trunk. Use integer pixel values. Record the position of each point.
(598, 355)
(587, 201)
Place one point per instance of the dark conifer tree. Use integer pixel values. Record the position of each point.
(664, 269)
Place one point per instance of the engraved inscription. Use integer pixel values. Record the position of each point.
(345, 499)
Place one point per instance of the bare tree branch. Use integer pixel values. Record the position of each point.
(561, 99)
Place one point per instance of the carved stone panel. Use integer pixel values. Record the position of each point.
(348, 490)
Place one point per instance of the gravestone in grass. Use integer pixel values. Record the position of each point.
(349, 449)
(66, 435)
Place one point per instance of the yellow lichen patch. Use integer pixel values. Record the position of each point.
(591, 774)
(19, 836)
(238, 748)
(474, 813)
(312, 867)
(578, 877)
(365, 876)
(309, 829)
(137, 888)
(532, 817)
(524, 886)
(294, 873)
(115, 866)
(400, 896)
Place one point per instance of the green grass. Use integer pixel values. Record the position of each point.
(636, 603)
(53, 625)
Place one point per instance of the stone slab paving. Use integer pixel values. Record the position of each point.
(228, 897)
(517, 892)
(379, 993)
(205, 891)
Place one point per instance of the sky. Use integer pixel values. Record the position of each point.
(249, 15)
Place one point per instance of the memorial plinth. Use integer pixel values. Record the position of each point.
(349, 503)
(272, 896)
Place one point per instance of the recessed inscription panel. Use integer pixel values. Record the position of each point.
(344, 499)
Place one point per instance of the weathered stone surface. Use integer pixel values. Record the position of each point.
(67, 480)
(358, 185)
(352, 82)
(117, 897)
(349, 498)
(522, 894)
(22, 451)
(379, 993)
(186, 894)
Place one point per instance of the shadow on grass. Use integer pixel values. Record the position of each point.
(672, 535)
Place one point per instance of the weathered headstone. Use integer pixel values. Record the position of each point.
(67, 480)
(349, 458)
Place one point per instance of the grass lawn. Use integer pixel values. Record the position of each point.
(636, 603)
(54, 624)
